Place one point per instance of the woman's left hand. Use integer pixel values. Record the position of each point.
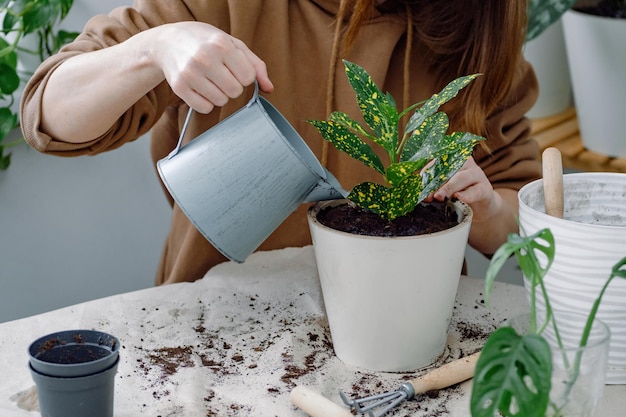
(471, 185)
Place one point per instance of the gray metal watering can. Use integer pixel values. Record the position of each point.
(239, 180)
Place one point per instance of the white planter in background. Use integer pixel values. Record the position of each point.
(597, 59)
(389, 300)
(589, 240)
(548, 57)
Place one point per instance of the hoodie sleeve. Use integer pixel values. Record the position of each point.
(100, 32)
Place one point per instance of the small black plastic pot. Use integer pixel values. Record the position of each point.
(73, 353)
(74, 372)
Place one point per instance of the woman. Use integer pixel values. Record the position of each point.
(138, 69)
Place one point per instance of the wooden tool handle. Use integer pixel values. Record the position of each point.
(553, 181)
(316, 405)
(451, 373)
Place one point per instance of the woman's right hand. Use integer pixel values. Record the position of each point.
(204, 65)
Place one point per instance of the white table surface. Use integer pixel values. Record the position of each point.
(236, 342)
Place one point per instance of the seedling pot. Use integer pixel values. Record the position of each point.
(589, 240)
(81, 396)
(74, 372)
(73, 353)
(389, 300)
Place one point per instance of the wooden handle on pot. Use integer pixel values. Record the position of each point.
(451, 373)
(316, 405)
(553, 182)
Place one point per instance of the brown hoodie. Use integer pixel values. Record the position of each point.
(294, 38)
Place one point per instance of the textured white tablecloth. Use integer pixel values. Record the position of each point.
(236, 342)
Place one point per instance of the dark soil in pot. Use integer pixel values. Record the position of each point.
(606, 8)
(425, 219)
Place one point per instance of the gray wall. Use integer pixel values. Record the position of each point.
(74, 229)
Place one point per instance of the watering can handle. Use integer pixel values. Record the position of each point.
(254, 98)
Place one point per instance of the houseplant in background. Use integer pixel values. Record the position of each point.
(594, 33)
(545, 50)
(29, 35)
(549, 363)
(389, 299)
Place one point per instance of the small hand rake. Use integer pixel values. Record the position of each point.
(378, 405)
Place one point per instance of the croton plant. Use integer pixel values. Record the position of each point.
(420, 160)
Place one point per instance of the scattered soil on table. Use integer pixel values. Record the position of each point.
(426, 218)
(230, 356)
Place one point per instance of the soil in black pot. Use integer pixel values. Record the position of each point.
(69, 354)
(606, 8)
(426, 218)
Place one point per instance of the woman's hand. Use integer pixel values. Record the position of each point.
(205, 66)
(471, 185)
(498, 208)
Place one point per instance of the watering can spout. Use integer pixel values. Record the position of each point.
(326, 189)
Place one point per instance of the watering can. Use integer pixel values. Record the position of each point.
(239, 180)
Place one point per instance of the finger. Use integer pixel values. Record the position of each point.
(259, 69)
(238, 63)
(203, 97)
(198, 102)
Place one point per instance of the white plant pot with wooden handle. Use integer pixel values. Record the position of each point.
(589, 240)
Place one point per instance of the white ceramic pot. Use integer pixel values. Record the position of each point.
(589, 241)
(389, 300)
(595, 50)
(547, 55)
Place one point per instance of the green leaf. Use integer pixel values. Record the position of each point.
(8, 23)
(398, 172)
(619, 269)
(526, 250)
(352, 125)
(404, 197)
(9, 79)
(18, 6)
(379, 112)
(424, 141)
(543, 13)
(346, 141)
(513, 376)
(7, 54)
(8, 122)
(388, 203)
(44, 14)
(372, 197)
(431, 105)
(5, 160)
(66, 5)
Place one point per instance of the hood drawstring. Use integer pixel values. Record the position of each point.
(334, 58)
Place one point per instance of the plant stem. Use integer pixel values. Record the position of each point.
(585, 337)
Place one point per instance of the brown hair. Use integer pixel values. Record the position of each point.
(461, 37)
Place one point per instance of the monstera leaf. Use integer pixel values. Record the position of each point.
(513, 373)
(518, 371)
